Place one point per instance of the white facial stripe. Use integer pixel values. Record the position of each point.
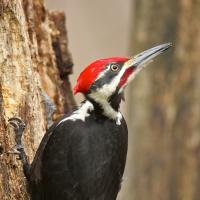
(101, 96)
(79, 114)
(109, 88)
(102, 73)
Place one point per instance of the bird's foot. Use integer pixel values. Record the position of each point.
(18, 126)
(15, 150)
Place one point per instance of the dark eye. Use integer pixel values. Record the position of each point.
(114, 67)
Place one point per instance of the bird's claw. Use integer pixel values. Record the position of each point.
(17, 124)
(14, 150)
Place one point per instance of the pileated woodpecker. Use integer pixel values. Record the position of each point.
(83, 155)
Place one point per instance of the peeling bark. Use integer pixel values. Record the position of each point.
(34, 61)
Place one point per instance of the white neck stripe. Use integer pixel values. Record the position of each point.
(80, 114)
(108, 111)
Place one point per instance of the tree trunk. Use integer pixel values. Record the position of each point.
(164, 149)
(34, 67)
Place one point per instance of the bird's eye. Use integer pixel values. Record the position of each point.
(114, 67)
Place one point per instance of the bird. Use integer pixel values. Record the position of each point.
(83, 155)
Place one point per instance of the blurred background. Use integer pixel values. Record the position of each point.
(162, 105)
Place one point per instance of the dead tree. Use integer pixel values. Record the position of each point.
(35, 65)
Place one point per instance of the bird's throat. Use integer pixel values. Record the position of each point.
(107, 107)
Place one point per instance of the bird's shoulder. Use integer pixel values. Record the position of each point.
(36, 164)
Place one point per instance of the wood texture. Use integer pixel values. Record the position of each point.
(34, 63)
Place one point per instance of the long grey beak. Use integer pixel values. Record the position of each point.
(134, 65)
(143, 58)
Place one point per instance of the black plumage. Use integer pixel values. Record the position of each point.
(82, 156)
(80, 160)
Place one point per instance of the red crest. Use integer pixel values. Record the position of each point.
(91, 72)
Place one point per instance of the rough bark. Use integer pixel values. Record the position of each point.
(34, 64)
(165, 104)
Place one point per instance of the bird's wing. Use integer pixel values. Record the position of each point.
(35, 171)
